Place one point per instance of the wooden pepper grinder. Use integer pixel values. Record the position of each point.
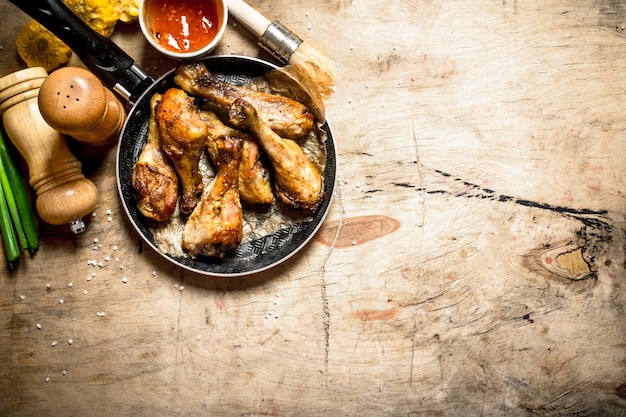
(64, 195)
(73, 101)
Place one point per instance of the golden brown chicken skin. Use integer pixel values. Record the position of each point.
(183, 137)
(216, 224)
(287, 117)
(298, 181)
(153, 176)
(254, 177)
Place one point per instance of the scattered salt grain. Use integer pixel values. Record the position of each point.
(353, 242)
(61, 301)
(199, 336)
(182, 287)
(96, 240)
(100, 314)
(107, 258)
(39, 325)
(121, 266)
(124, 280)
(108, 212)
(154, 273)
(310, 26)
(271, 314)
(64, 372)
(48, 286)
(100, 264)
(47, 379)
(349, 100)
(115, 247)
(85, 292)
(70, 341)
(71, 284)
(93, 214)
(351, 47)
(109, 219)
(54, 343)
(23, 297)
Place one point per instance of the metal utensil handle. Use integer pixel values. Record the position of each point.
(274, 37)
(116, 69)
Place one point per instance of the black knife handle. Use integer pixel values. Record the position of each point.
(114, 68)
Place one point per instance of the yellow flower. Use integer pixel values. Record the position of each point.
(38, 47)
(100, 15)
(128, 9)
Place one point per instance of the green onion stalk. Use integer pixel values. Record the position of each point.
(16, 215)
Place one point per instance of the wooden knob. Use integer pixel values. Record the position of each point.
(70, 200)
(73, 101)
(64, 195)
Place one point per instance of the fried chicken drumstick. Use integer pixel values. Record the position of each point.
(183, 137)
(254, 177)
(287, 117)
(298, 181)
(216, 224)
(153, 176)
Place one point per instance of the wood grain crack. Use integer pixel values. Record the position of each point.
(422, 215)
(323, 284)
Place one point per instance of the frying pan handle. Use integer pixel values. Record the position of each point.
(100, 55)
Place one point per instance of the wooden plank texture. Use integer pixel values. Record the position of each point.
(472, 263)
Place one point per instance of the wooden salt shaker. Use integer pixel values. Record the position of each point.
(64, 195)
(73, 101)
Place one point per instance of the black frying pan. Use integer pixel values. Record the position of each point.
(119, 72)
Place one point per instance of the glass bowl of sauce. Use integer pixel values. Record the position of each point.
(183, 29)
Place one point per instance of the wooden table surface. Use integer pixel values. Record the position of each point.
(472, 262)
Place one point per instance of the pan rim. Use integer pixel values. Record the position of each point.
(330, 176)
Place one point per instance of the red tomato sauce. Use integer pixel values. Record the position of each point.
(182, 25)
